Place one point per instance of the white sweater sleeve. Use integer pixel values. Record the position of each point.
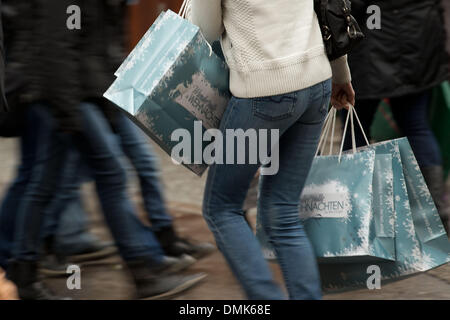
(341, 70)
(207, 14)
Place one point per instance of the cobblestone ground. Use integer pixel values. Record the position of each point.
(107, 279)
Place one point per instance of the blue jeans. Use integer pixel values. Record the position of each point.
(35, 134)
(65, 218)
(411, 114)
(133, 239)
(143, 158)
(299, 118)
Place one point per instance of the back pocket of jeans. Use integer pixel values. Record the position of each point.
(275, 107)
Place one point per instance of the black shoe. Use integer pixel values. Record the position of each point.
(93, 251)
(52, 265)
(176, 246)
(24, 276)
(154, 283)
(172, 265)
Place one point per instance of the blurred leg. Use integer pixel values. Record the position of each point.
(48, 162)
(142, 156)
(15, 193)
(66, 194)
(411, 114)
(133, 239)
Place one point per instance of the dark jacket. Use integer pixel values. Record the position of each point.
(3, 105)
(48, 62)
(446, 5)
(406, 56)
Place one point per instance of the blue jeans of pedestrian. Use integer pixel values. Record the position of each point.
(143, 158)
(66, 218)
(299, 118)
(134, 240)
(411, 114)
(35, 134)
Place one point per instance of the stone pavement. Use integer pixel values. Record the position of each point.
(107, 279)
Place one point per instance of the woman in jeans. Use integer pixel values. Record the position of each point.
(280, 78)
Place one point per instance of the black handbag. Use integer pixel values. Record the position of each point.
(339, 28)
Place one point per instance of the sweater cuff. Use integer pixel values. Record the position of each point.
(341, 70)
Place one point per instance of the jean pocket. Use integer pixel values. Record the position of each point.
(275, 107)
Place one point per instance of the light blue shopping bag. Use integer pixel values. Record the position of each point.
(420, 239)
(171, 79)
(347, 207)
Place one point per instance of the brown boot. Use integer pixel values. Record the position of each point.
(434, 177)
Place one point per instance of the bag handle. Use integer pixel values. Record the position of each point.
(329, 120)
(184, 7)
(350, 114)
(329, 130)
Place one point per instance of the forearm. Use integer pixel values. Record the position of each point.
(341, 71)
(207, 14)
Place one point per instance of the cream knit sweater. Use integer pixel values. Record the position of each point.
(271, 46)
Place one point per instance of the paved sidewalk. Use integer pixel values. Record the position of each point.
(184, 192)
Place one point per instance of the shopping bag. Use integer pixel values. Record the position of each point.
(347, 206)
(171, 80)
(420, 239)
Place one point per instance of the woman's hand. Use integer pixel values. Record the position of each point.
(8, 290)
(342, 95)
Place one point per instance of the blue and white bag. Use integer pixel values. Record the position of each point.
(171, 79)
(347, 205)
(420, 239)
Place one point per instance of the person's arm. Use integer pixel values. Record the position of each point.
(207, 14)
(341, 70)
(342, 92)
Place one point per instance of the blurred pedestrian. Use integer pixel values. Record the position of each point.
(280, 78)
(7, 289)
(403, 61)
(133, 144)
(3, 106)
(64, 74)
